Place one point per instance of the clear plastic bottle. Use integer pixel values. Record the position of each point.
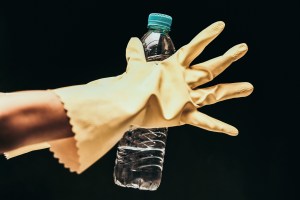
(141, 151)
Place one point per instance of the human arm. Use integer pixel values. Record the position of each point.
(31, 117)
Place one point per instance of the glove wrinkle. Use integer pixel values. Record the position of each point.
(147, 94)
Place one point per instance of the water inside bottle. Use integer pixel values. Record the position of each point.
(140, 158)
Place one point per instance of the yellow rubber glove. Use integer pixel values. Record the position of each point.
(148, 94)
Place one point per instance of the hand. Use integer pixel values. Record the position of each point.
(148, 94)
(178, 100)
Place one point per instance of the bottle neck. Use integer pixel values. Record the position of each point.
(158, 29)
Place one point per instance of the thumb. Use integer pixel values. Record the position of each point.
(135, 51)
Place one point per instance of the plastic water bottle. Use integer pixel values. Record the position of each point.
(141, 151)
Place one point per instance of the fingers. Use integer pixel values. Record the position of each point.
(221, 92)
(202, 73)
(135, 51)
(206, 122)
(189, 52)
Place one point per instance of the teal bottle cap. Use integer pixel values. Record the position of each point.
(161, 20)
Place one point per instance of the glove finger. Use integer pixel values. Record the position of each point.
(135, 51)
(206, 122)
(221, 92)
(189, 52)
(202, 73)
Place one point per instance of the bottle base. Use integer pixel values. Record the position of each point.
(139, 184)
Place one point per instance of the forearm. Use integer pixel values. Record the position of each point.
(31, 117)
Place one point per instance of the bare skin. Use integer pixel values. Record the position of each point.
(30, 117)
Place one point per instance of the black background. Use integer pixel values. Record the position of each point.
(49, 44)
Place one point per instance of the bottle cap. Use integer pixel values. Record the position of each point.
(160, 20)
